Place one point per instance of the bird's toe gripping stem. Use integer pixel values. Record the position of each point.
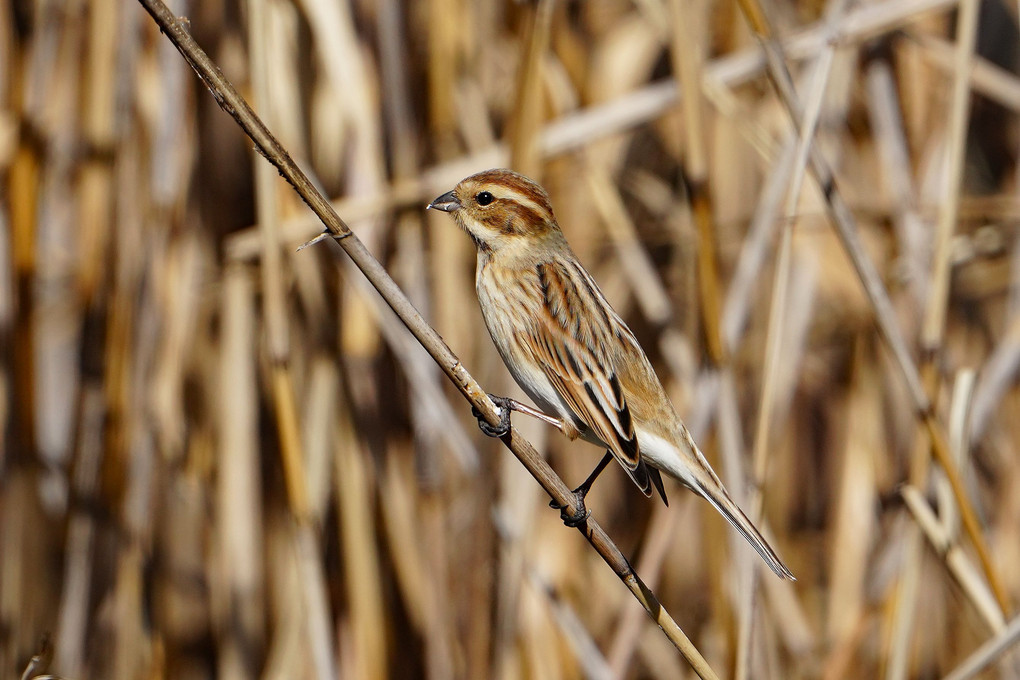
(503, 404)
(579, 517)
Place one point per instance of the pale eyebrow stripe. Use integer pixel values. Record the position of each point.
(520, 198)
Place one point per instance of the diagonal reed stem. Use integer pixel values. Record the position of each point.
(231, 102)
(846, 229)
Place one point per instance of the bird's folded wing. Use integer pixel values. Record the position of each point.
(593, 392)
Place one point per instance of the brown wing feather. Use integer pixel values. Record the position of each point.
(573, 350)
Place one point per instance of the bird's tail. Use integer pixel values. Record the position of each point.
(722, 502)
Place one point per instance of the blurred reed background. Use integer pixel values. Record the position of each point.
(224, 458)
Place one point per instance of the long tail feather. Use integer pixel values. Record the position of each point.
(721, 501)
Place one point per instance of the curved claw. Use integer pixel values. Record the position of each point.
(503, 404)
(578, 518)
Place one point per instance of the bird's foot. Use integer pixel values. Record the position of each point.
(578, 518)
(503, 405)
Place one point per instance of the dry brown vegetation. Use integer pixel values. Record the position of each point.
(225, 458)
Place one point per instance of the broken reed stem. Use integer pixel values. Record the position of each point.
(231, 102)
(40, 661)
(958, 564)
(846, 229)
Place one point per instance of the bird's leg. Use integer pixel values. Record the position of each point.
(579, 493)
(535, 413)
(506, 405)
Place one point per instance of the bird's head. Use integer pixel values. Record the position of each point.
(500, 210)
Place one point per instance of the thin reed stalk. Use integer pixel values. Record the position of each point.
(230, 101)
(846, 228)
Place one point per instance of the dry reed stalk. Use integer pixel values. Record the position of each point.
(687, 51)
(19, 601)
(239, 480)
(878, 297)
(183, 264)
(987, 78)
(23, 185)
(127, 239)
(959, 444)
(313, 592)
(129, 467)
(956, 561)
(904, 607)
(854, 523)
(987, 654)
(996, 377)
(399, 517)
(887, 121)
(277, 340)
(277, 331)
(355, 487)
(442, 644)
(514, 513)
(446, 49)
(892, 141)
(286, 653)
(579, 129)
(526, 119)
(72, 627)
(645, 283)
(775, 343)
(320, 404)
(661, 529)
(933, 326)
(232, 102)
(438, 418)
(589, 658)
(755, 248)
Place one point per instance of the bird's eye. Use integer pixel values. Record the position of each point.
(484, 198)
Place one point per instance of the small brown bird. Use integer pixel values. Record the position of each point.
(570, 351)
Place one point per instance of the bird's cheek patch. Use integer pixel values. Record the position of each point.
(509, 226)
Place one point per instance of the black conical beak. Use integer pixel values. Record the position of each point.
(447, 203)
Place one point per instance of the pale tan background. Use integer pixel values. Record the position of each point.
(226, 459)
